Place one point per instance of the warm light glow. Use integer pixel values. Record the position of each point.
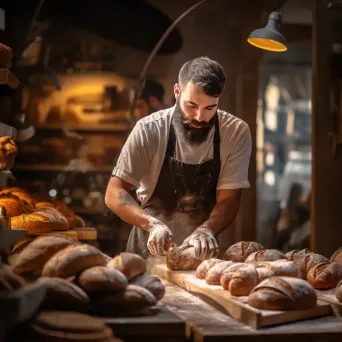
(269, 178)
(267, 44)
(269, 159)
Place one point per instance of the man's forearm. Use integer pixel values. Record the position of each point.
(222, 215)
(124, 205)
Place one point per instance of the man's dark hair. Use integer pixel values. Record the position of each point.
(205, 74)
(153, 88)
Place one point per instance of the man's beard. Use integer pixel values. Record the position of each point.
(186, 132)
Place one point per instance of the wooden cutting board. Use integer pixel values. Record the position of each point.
(236, 307)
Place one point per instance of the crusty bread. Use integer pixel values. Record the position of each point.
(73, 260)
(264, 273)
(265, 255)
(238, 252)
(337, 256)
(102, 279)
(325, 275)
(133, 300)
(283, 293)
(306, 261)
(130, 264)
(44, 205)
(8, 152)
(62, 294)
(28, 201)
(151, 283)
(205, 266)
(282, 268)
(13, 205)
(9, 281)
(32, 259)
(338, 291)
(294, 254)
(240, 282)
(213, 276)
(182, 259)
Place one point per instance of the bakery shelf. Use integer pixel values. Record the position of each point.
(58, 168)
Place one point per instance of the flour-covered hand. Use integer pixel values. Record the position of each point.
(204, 242)
(160, 238)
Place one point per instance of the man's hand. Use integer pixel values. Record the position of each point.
(205, 244)
(160, 239)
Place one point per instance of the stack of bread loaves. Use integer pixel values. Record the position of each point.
(80, 277)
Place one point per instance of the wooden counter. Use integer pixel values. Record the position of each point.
(204, 323)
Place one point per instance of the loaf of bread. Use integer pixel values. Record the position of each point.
(265, 255)
(73, 260)
(241, 250)
(102, 279)
(240, 282)
(130, 264)
(294, 254)
(282, 268)
(134, 300)
(12, 204)
(213, 276)
(325, 275)
(338, 291)
(32, 259)
(28, 201)
(337, 256)
(283, 293)
(306, 261)
(44, 205)
(62, 294)
(205, 266)
(8, 152)
(264, 273)
(151, 283)
(9, 281)
(182, 259)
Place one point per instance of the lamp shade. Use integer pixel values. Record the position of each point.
(269, 38)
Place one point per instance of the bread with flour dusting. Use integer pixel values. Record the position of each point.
(265, 255)
(325, 275)
(238, 252)
(205, 266)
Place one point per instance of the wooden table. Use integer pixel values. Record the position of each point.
(204, 323)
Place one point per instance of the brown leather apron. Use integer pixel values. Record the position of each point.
(184, 196)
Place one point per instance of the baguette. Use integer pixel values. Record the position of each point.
(239, 251)
(306, 261)
(265, 255)
(283, 293)
(325, 275)
(337, 256)
(213, 276)
(205, 266)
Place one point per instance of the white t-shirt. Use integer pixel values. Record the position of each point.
(142, 155)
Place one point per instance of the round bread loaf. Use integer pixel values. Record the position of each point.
(130, 264)
(62, 294)
(205, 266)
(282, 268)
(283, 293)
(57, 219)
(307, 261)
(338, 291)
(73, 260)
(32, 259)
(151, 283)
(337, 256)
(134, 300)
(294, 254)
(325, 275)
(264, 273)
(8, 152)
(265, 255)
(102, 278)
(13, 205)
(182, 259)
(241, 250)
(240, 282)
(213, 276)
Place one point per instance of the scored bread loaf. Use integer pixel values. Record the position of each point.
(294, 254)
(337, 256)
(265, 255)
(306, 261)
(282, 268)
(182, 259)
(102, 278)
(325, 275)
(205, 266)
(240, 282)
(264, 273)
(8, 152)
(133, 300)
(62, 294)
(283, 293)
(151, 283)
(32, 259)
(213, 276)
(338, 291)
(130, 264)
(238, 252)
(28, 201)
(72, 260)
(13, 205)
